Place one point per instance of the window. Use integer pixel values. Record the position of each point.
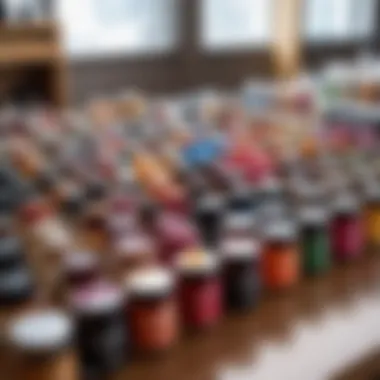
(229, 24)
(339, 20)
(106, 27)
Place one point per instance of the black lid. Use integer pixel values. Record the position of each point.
(45, 181)
(73, 203)
(96, 191)
(11, 251)
(15, 285)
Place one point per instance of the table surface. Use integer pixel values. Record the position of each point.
(311, 331)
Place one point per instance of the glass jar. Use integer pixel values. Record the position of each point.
(152, 310)
(200, 289)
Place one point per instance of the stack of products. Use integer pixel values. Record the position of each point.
(146, 218)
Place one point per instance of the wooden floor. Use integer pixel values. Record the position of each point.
(326, 328)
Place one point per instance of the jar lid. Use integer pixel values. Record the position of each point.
(150, 282)
(97, 298)
(345, 204)
(80, 261)
(10, 249)
(12, 281)
(96, 191)
(134, 245)
(313, 215)
(41, 331)
(197, 262)
(238, 220)
(372, 192)
(240, 249)
(282, 230)
(271, 185)
(210, 202)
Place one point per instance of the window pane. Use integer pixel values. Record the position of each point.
(235, 23)
(97, 27)
(336, 20)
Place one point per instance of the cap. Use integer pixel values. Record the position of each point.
(41, 331)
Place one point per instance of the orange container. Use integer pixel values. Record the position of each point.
(152, 310)
(281, 258)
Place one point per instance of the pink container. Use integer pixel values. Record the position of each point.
(174, 234)
(347, 230)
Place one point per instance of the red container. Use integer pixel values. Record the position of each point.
(200, 290)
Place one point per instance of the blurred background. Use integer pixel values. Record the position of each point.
(168, 46)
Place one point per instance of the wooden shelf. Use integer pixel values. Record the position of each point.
(38, 43)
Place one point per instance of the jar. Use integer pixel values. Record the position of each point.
(241, 272)
(95, 228)
(49, 242)
(133, 253)
(11, 253)
(81, 269)
(315, 240)
(174, 234)
(238, 224)
(372, 216)
(41, 341)
(281, 256)
(209, 211)
(101, 331)
(16, 285)
(152, 310)
(347, 229)
(241, 199)
(200, 289)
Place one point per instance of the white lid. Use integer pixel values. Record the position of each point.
(346, 203)
(240, 249)
(238, 220)
(281, 230)
(149, 282)
(97, 298)
(313, 215)
(41, 331)
(78, 261)
(194, 262)
(210, 202)
(132, 245)
(270, 185)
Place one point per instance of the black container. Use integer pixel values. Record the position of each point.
(15, 285)
(241, 274)
(11, 253)
(241, 199)
(209, 212)
(100, 330)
